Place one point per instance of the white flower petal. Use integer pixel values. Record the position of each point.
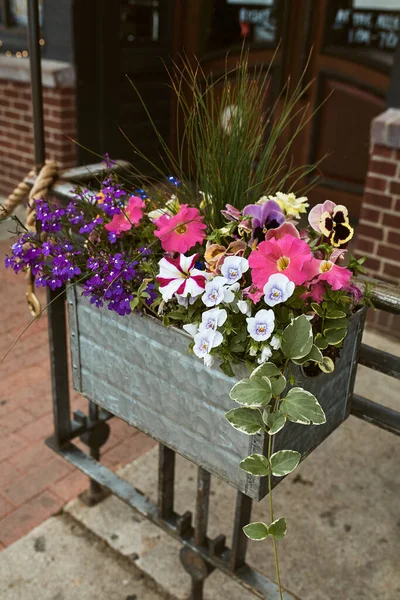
(193, 288)
(191, 329)
(169, 290)
(208, 360)
(275, 342)
(265, 354)
(218, 339)
(169, 271)
(244, 307)
(185, 262)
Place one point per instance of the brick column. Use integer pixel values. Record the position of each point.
(16, 127)
(378, 233)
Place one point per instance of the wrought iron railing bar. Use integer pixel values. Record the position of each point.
(95, 488)
(166, 481)
(202, 505)
(376, 414)
(379, 360)
(246, 576)
(56, 314)
(384, 296)
(239, 540)
(77, 175)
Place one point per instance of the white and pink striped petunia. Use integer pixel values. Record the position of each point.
(179, 276)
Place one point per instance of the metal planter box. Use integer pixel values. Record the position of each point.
(140, 370)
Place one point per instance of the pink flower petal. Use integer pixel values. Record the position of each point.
(284, 229)
(314, 216)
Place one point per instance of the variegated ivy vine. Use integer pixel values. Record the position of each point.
(266, 405)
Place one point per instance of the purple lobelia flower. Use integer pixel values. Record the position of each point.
(264, 217)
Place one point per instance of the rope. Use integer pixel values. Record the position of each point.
(16, 197)
(40, 189)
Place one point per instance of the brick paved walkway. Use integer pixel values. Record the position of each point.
(34, 482)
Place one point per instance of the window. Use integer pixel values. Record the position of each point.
(368, 30)
(256, 21)
(140, 21)
(13, 24)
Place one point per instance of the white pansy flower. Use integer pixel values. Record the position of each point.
(265, 355)
(278, 289)
(244, 307)
(261, 326)
(275, 342)
(229, 292)
(214, 291)
(205, 341)
(213, 318)
(217, 290)
(233, 268)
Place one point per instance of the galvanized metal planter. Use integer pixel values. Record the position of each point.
(140, 370)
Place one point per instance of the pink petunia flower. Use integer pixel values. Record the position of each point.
(287, 255)
(182, 231)
(179, 276)
(317, 290)
(253, 293)
(132, 215)
(337, 277)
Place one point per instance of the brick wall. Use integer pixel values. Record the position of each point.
(16, 126)
(378, 233)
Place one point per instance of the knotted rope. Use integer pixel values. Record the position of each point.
(40, 189)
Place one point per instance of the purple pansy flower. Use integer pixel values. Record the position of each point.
(264, 216)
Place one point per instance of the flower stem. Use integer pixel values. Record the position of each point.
(271, 514)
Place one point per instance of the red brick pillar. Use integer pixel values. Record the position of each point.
(16, 127)
(378, 233)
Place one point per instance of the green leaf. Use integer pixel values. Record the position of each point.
(321, 342)
(271, 371)
(256, 391)
(335, 337)
(266, 413)
(227, 369)
(278, 385)
(256, 531)
(134, 303)
(247, 420)
(284, 462)
(267, 369)
(336, 314)
(256, 464)
(301, 406)
(335, 324)
(278, 529)
(275, 422)
(176, 315)
(315, 355)
(297, 338)
(327, 365)
(318, 309)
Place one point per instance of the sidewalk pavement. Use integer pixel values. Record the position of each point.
(61, 561)
(34, 482)
(341, 505)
